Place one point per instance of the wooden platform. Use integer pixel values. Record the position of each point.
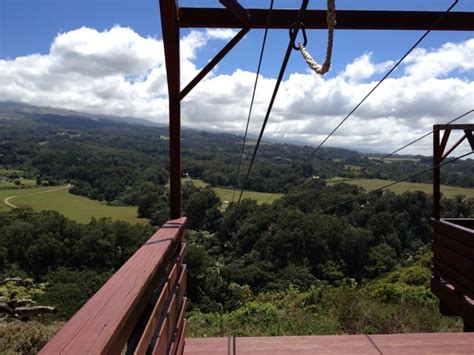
(432, 343)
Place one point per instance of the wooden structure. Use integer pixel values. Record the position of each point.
(173, 18)
(453, 239)
(141, 309)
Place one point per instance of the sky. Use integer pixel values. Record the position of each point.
(106, 57)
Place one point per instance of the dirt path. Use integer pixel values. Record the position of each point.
(7, 202)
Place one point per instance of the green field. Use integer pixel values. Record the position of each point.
(78, 208)
(10, 184)
(395, 159)
(373, 184)
(225, 194)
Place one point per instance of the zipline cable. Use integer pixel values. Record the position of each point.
(380, 81)
(253, 95)
(420, 138)
(293, 35)
(373, 89)
(401, 180)
(411, 143)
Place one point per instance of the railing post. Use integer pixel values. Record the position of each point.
(436, 174)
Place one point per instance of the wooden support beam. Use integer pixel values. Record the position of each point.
(170, 28)
(450, 150)
(455, 126)
(213, 62)
(444, 142)
(237, 10)
(316, 19)
(436, 174)
(470, 138)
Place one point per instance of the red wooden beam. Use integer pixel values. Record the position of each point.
(450, 150)
(455, 126)
(436, 173)
(443, 144)
(316, 19)
(237, 10)
(170, 28)
(470, 138)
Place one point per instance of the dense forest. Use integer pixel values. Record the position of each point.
(296, 266)
(109, 160)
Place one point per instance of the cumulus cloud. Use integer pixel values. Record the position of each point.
(119, 72)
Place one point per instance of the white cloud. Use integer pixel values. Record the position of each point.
(364, 68)
(117, 71)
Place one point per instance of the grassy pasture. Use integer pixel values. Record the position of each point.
(395, 159)
(373, 184)
(78, 208)
(225, 194)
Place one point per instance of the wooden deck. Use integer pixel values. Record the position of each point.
(428, 343)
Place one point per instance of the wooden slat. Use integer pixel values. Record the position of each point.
(172, 278)
(457, 232)
(457, 280)
(179, 328)
(161, 345)
(183, 252)
(454, 301)
(182, 282)
(152, 323)
(182, 338)
(172, 317)
(106, 321)
(457, 262)
(454, 245)
(166, 291)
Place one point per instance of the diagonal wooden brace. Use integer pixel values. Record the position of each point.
(470, 138)
(213, 62)
(238, 11)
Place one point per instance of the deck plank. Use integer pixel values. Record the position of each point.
(423, 343)
(426, 343)
(343, 344)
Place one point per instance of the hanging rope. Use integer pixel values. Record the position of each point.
(331, 21)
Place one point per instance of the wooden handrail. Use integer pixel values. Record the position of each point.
(107, 321)
(453, 263)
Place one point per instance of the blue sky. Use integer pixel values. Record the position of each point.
(28, 26)
(106, 57)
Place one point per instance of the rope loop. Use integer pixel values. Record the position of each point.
(331, 21)
(294, 33)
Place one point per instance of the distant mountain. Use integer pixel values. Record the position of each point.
(14, 110)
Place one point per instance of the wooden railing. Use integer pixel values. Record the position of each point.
(140, 309)
(453, 268)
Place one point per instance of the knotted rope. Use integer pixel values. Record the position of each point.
(331, 21)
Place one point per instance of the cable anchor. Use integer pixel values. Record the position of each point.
(294, 33)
